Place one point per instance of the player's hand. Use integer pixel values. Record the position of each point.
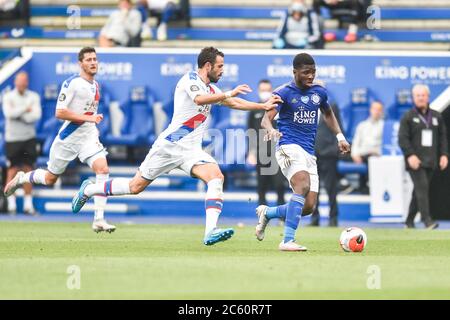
(273, 134)
(273, 102)
(97, 118)
(240, 89)
(414, 162)
(344, 146)
(443, 162)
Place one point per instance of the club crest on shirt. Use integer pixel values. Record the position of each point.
(305, 99)
(194, 88)
(315, 98)
(62, 97)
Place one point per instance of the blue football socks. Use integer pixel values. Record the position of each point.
(293, 214)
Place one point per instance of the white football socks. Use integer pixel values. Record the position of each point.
(114, 187)
(213, 204)
(34, 177)
(100, 201)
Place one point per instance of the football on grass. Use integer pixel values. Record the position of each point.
(353, 239)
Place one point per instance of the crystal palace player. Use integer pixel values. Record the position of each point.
(78, 137)
(180, 145)
(297, 123)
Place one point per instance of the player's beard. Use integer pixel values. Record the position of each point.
(213, 78)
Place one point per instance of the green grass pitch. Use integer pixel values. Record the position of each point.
(170, 262)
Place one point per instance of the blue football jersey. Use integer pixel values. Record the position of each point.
(299, 114)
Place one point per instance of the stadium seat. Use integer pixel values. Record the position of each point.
(403, 103)
(137, 126)
(48, 104)
(345, 167)
(357, 110)
(2, 150)
(230, 148)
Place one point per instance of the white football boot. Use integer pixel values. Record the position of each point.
(262, 222)
(14, 184)
(101, 225)
(291, 246)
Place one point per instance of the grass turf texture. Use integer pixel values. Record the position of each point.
(170, 262)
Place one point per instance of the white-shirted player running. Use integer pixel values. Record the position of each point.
(78, 137)
(180, 145)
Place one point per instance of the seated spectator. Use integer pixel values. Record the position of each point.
(164, 11)
(368, 140)
(351, 12)
(123, 27)
(299, 29)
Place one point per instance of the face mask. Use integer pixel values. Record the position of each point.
(264, 96)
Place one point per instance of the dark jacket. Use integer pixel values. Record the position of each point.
(326, 142)
(410, 137)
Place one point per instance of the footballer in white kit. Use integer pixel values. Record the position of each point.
(179, 146)
(78, 137)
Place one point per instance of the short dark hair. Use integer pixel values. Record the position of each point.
(302, 59)
(208, 54)
(264, 81)
(83, 51)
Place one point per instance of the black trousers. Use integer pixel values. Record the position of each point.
(328, 175)
(420, 201)
(265, 182)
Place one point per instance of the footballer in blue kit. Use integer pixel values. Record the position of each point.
(297, 127)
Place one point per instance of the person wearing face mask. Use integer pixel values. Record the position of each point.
(423, 139)
(122, 28)
(264, 149)
(299, 29)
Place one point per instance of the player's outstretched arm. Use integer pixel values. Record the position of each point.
(65, 114)
(332, 123)
(241, 104)
(222, 96)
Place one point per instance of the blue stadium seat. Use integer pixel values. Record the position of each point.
(357, 110)
(137, 127)
(231, 150)
(403, 103)
(345, 167)
(2, 150)
(48, 104)
(103, 108)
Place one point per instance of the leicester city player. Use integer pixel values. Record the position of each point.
(297, 124)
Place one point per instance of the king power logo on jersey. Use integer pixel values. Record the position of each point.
(303, 116)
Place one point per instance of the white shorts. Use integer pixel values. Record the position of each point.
(292, 158)
(62, 153)
(166, 156)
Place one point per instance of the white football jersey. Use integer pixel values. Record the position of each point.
(82, 97)
(189, 120)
